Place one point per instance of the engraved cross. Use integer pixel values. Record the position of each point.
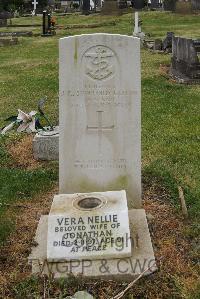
(100, 128)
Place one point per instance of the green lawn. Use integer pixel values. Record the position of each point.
(170, 112)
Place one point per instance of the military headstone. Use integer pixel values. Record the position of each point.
(100, 115)
(99, 150)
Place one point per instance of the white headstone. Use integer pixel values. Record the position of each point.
(136, 23)
(90, 225)
(137, 28)
(100, 115)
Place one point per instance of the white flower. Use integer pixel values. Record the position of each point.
(28, 121)
(7, 128)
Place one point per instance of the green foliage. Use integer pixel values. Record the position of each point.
(4, 156)
(29, 288)
(195, 294)
(6, 226)
(10, 5)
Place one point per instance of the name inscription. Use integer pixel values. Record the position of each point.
(83, 234)
(101, 163)
(100, 96)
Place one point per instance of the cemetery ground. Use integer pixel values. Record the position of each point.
(170, 159)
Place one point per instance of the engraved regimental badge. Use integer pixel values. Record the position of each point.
(99, 62)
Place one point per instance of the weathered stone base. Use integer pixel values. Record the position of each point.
(47, 35)
(17, 33)
(8, 41)
(182, 78)
(46, 147)
(118, 269)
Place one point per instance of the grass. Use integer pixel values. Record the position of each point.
(170, 131)
(170, 112)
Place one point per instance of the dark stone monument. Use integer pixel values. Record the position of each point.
(47, 28)
(4, 16)
(138, 4)
(86, 7)
(123, 4)
(3, 22)
(169, 5)
(158, 45)
(167, 42)
(155, 4)
(195, 4)
(185, 65)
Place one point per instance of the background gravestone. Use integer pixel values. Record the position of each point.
(86, 7)
(183, 7)
(155, 4)
(169, 5)
(185, 64)
(110, 7)
(195, 4)
(4, 16)
(46, 145)
(100, 115)
(139, 4)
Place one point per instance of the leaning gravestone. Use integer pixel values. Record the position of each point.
(100, 131)
(89, 227)
(185, 63)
